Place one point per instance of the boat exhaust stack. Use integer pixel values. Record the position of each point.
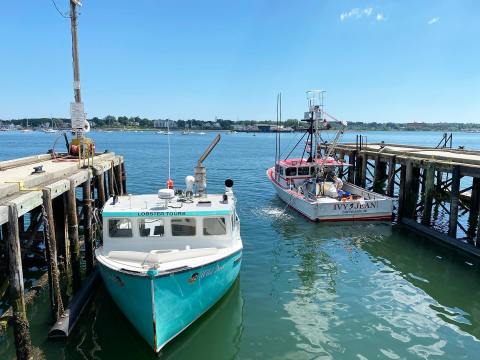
(228, 190)
(200, 173)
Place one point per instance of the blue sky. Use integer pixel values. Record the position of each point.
(378, 60)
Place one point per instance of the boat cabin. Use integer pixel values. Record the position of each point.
(146, 223)
(296, 171)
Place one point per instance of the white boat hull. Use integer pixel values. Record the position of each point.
(374, 207)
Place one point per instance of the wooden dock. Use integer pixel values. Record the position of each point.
(56, 196)
(438, 189)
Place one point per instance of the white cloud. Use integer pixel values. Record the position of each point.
(433, 21)
(368, 11)
(358, 13)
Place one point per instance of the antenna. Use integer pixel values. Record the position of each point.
(168, 136)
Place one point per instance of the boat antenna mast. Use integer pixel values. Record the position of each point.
(277, 133)
(200, 172)
(312, 117)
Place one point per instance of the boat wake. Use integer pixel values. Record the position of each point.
(273, 213)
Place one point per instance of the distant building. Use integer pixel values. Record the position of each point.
(239, 127)
(264, 127)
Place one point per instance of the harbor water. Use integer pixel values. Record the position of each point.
(306, 290)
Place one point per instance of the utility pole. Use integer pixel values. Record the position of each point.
(81, 146)
(77, 113)
(76, 66)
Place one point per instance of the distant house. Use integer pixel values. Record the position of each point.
(264, 127)
(239, 127)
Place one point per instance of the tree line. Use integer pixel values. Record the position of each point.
(111, 121)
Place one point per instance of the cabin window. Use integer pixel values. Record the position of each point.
(291, 171)
(151, 227)
(183, 226)
(120, 228)
(281, 171)
(214, 226)
(304, 170)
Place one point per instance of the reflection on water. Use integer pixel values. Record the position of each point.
(216, 335)
(362, 292)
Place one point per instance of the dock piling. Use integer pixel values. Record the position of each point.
(101, 189)
(118, 178)
(474, 210)
(51, 251)
(124, 178)
(363, 180)
(87, 225)
(428, 193)
(352, 167)
(21, 328)
(73, 235)
(391, 176)
(111, 181)
(454, 202)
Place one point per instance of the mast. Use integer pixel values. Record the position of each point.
(314, 114)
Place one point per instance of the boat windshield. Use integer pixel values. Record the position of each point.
(151, 227)
(120, 228)
(214, 226)
(304, 170)
(291, 171)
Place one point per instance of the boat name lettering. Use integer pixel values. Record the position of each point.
(355, 206)
(163, 213)
(211, 271)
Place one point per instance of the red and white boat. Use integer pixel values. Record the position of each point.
(312, 185)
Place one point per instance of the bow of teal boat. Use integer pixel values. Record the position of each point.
(168, 258)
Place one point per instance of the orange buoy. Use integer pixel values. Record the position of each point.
(169, 184)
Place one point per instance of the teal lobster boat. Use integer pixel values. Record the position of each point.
(167, 259)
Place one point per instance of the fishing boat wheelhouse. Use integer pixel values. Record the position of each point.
(312, 185)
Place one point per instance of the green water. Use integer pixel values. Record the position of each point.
(306, 290)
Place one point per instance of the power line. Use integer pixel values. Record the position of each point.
(58, 10)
